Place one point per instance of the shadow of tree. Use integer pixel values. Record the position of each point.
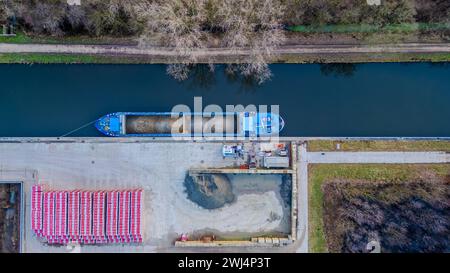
(338, 69)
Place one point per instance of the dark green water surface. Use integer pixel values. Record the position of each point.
(335, 100)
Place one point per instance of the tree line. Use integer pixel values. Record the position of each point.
(192, 25)
(129, 17)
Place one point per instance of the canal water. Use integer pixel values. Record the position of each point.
(315, 100)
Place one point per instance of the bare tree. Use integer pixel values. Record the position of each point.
(3, 10)
(111, 17)
(176, 23)
(7, 7)
(47, 18)
(256, 25)
(185, 25)
(75, 16)
(252, 23)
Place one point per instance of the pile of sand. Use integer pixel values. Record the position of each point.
(210, 191)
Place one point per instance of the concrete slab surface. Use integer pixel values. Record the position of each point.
(159, 168)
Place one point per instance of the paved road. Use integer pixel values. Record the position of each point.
(378, 157)
(217, 52)
(302, 215)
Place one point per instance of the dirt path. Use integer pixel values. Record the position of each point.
(223, 52)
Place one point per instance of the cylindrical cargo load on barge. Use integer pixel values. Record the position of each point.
(153, 125)
(180, 125)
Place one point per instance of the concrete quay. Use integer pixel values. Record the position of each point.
(159, 167)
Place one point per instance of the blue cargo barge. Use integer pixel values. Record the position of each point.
(168, 124)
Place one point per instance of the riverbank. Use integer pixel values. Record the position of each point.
(33, 58)
(43, 58)
(111, 54)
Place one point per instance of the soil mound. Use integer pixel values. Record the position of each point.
(210, 191)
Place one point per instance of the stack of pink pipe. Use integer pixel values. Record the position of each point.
(87, 217)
